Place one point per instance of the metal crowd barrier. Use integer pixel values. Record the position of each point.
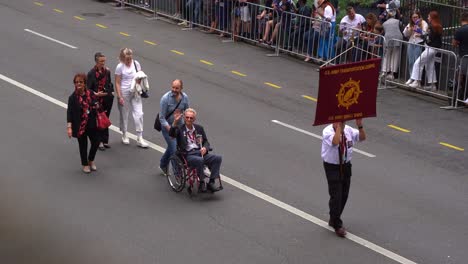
(460, 85)
(304, 36)
(435, 69)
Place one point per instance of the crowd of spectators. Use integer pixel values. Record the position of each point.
(312, 30)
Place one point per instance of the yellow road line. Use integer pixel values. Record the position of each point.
(451, 146)
(58, 10)
(272, 85)
(206, 62)
(310, 98)
(101, 26)
(151, 43)
(124, 34)
(79, 18)
(399, 128)
(177, 52)
(38, 4)
(239, 73)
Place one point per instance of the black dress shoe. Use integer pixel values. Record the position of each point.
(340, 231)
(202, 187)
(212, 188)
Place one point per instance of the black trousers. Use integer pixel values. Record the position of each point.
(338, 189)
(93, 136)
(107, 106)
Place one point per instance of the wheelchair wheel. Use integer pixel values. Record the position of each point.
(176, 174)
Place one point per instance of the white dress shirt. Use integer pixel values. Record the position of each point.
(330, 153)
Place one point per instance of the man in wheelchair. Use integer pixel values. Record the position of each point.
(193, 144)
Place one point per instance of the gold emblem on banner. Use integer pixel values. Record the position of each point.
(349, 93)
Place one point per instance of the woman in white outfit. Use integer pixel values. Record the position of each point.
(427, 58)
(128, 100)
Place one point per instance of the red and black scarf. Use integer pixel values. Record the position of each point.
(101, 78)
(85, 104)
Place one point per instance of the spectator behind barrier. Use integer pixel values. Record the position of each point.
(362, 51)
(427, 58)
(377, 44)
(301, 25)
(327, 14)
(347, 32)
(263, 18)
(391, 58)
(460, 40)
(414, 31)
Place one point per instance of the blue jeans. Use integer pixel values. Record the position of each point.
(195, 6)
(326, 48)
(170, 150)
(414, 51)
(311, 39)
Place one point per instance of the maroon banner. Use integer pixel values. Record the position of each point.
(347, 91)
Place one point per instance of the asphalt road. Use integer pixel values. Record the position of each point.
(409, 197)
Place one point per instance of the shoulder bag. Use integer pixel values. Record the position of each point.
(157, 123)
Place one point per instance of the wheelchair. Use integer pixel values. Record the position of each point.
(180, 174)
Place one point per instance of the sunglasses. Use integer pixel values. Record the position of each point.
(190, 118)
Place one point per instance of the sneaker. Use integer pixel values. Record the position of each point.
(410, 81)
(141, 142)
(176, 15)
(183, 23)
(390, 77)
(414, 84)
(466, 101)
(125, 139)
(163, 170)
(431, 87)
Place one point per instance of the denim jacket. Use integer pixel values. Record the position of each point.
(168, 104)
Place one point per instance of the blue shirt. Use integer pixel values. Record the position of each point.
(168, 104)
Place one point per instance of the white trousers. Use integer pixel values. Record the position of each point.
(426, 59)
(391, 59)
(134, 104)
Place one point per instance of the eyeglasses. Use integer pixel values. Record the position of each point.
(190, 117)
(79, 81)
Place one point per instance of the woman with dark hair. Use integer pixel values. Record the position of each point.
(414, 31)
(81, 121)
(427, 58)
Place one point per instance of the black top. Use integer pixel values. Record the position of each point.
(92, 82)
(433, 39)
(461, 35)
(180, 134)
(74, 113)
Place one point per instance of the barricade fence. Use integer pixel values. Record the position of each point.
(460, 97)
(434, 71)
(420, 67)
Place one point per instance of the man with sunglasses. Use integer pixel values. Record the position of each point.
(193, 143)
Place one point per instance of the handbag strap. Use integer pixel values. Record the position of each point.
(168, 115)
(134, 64)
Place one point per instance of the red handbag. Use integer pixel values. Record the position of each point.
(102, 120)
